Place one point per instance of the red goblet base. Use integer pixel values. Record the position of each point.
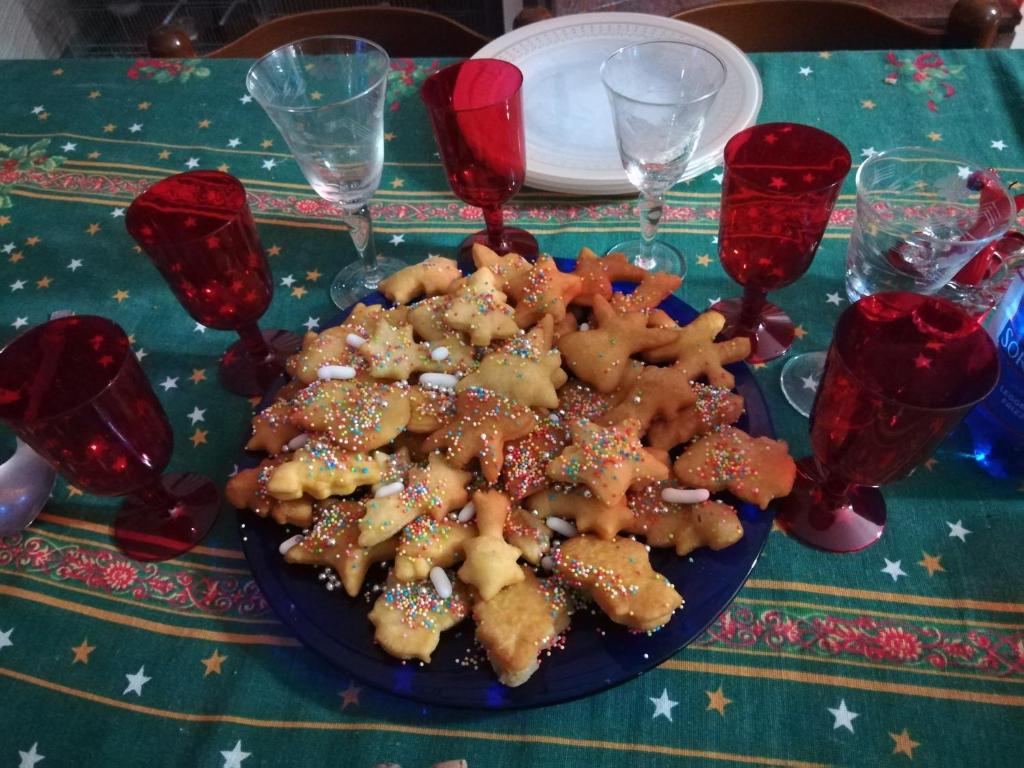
(771, 333)
(244, 375)
(513, 240)
(846, 522)
(167, 519)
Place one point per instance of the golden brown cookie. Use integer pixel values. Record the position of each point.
(686, 527)
(391, 353)
(431, 276)
(427, 318)
(617, 574)
(490, 564)
(598, 274)
(409, 617)
(653, 393)
(333, 345)
(654, 288)
(715, 407)
(272, 429)
(752, 469)
(479, 309)
(321, 470)
(506, 269)
(694, 351)
(429, 409)
(519, 623)
(591, 515)
(600, 356)
(353, 415)
(544, 290)
(247, 489)
(608, 460)
(484, 421)
(526, 460)
(524, 369)
(426, 542)
(333, 541)
(527, 532)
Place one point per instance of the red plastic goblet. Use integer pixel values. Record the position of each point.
(197, 229)
(902, 371)
(476, 110)
(780, 185)
(73, 390)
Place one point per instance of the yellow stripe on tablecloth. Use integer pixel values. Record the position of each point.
(85, 525)
(100, 595)
(772, 654)
(449, 733)
(145, 624)
(841, 681)
(922, 620)
(888, 597)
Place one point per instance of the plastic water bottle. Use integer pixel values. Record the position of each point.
(997, 423)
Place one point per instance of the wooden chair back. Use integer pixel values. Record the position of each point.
(826, 25)
(401, 32)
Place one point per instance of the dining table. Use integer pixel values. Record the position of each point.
(908, 652)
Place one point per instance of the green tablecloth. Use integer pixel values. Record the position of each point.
(910, 651)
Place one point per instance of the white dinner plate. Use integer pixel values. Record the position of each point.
(570, 141)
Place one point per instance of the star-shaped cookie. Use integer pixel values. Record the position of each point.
(484, 421)
(479, 309)
(506, 269)
(391, 353)
(490, 562)
(333, 541)
(600, 356)
(608, 460)
(598, 274)
(544, 290)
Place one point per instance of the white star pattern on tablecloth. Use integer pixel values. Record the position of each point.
(717, 177)
(30, 758)
(810, 382)
(192, 162)
(74, 264)
(169, 383)
(352, 152)
(311, 323)
(246, 99)
(893, 568)
(806, 71)
(833, 298)
(868, 152)
(844, 717)
(70, 146)
(269, 163)
(957, 531)
(8, 248)
(136, 681)
(287, 281)
(714, 239)
(234, 142)
(663, 705)
(714, 300)
(38, 110)
(140, 353)
(999, 144)
(198, 414)
(397, 239)
(963, 171)
(117, 213)
(233, 758)
(200, 328)
(135, 127)
(19, 322)
(5, 638)
(17, 285)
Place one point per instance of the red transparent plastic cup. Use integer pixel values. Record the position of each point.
(476, 111)
(198, 231)
(73, 390)
(902, 371)
(780, 185)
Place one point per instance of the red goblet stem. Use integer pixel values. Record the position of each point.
(254, 342)
(495, 222)
(750, 313)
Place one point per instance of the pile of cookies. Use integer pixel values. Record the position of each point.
(502, 439)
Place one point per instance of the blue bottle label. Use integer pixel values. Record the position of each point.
(1006, 403)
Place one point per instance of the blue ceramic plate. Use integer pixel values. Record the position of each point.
(597, 654)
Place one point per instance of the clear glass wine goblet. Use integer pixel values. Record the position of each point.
(326, 97)
(660, 94)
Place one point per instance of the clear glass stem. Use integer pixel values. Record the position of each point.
(494, 220)
(651, 208)
(360, 227)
